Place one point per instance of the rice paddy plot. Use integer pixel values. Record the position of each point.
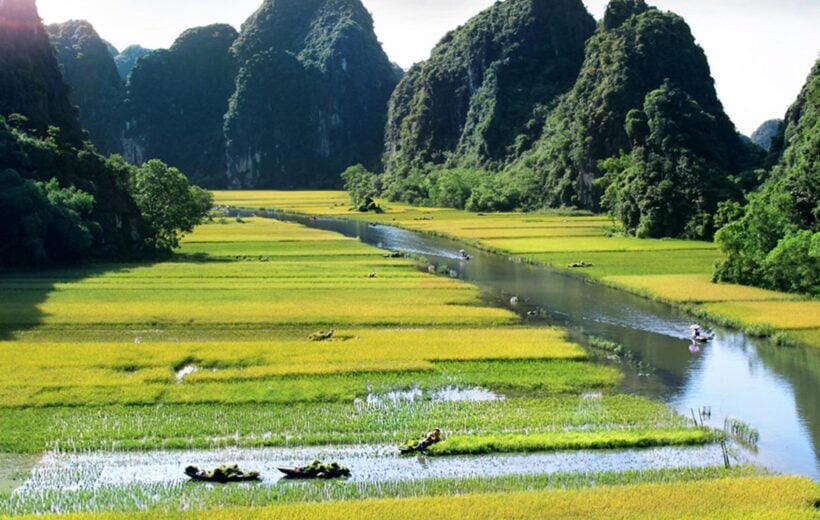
(372, 418)
(210, 350)
(801, 314)
(528, 246)
(626, 263)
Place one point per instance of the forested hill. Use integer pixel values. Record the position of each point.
(177, 100)
(482, 96)
(31, 83)
(636, 50)
(775, 239)
(96, 89)
(311, 95)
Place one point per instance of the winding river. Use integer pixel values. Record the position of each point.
(773, 389)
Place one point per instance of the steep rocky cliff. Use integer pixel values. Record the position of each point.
(177, 99)
(96, 88)
(311, 95)
(481, 97)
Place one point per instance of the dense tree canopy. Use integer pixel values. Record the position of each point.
(672, 181)
(776, 241)
(96, 88)
(311, 95)
(177, 100)
(169, 205)
(41, 223)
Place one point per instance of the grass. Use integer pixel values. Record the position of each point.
(746, 497)
(675, 271)
(520, 443)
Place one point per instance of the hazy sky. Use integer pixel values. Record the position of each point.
(760, 50)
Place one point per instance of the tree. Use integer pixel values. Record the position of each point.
(672, 182)
(362, 186)
(42, 223)
(169, 205)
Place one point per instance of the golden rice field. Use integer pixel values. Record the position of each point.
(675, 271)
(785, 498)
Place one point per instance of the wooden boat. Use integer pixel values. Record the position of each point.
(221, 475)
(316, 470)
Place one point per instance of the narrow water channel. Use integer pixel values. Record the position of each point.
(773, 389)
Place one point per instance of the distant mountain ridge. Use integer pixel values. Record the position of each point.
(127, 59)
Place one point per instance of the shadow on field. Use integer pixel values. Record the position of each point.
(22, 293)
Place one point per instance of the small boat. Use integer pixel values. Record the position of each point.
(464, 256)
(316, 470)
(222, 474)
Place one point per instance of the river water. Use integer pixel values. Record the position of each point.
(773, 389)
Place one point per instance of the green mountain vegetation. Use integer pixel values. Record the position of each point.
(481, 98)
(177, 99)
(60, 200)
(96, 89)
(127, 59)
(671, 183)
(311, 95)
(483, 125)
(775, 241)
(635, 50)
